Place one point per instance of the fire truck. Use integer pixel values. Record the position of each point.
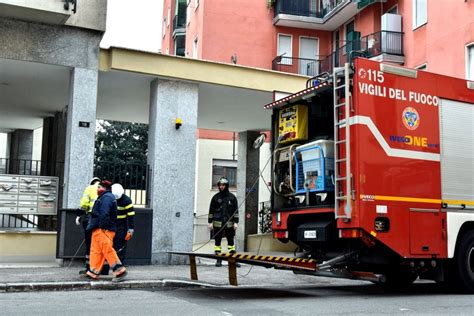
(373, 172)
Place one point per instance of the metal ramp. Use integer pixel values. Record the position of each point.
(285, 263)
(297, 265)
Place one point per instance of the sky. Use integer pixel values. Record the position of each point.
(134, 24)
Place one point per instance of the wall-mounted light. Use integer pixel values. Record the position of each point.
(178, 122)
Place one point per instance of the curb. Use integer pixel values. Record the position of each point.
(100, 285)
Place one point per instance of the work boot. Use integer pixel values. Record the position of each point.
(89, 276)
(105, 269)
(86, 268)
(120, 277)
(219, 263)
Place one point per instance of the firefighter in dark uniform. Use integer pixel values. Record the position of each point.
(125, 220)
(223, 217)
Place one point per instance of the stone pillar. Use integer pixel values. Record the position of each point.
(21, 151)
(171, 156)
(79, 149)
(247, 187)
(53, 147)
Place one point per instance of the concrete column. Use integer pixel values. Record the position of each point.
(21, 151)
(171, 156)
(79, 149)
(247, 187)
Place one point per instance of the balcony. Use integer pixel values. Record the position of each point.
(179, 25)
(383, 46)
(42, 11)
(316, 14)
(301, 66)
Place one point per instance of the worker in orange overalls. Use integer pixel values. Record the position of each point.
(103, 223)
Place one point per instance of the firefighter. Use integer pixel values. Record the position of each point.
(89, 196)
(125, 220)
(125, 224)
(103, 224)
(223, 217)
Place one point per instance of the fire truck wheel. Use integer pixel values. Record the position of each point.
(465, 262)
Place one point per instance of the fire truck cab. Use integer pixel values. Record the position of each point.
(373, 171)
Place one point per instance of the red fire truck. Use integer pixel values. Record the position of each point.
(373, 172)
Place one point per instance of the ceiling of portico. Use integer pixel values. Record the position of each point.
(30, 92)
(124, 96)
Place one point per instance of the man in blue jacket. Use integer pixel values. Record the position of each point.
(103, 223)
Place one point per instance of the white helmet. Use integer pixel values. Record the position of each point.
(117, 190)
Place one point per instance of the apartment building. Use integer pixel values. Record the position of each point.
(311, 36)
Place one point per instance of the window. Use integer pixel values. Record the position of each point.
(422, 66)
(164, 28)
(393, 10)
(284, 45)
(352, 38)
(179, 45)
(336, 48)
(420, 15)
(224, 168)
(195, 47)
(470, 62)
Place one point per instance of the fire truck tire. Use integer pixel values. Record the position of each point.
(465, 263)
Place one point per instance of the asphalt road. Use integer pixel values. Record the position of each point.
(334, 299)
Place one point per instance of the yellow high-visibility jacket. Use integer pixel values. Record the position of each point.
(88, 197)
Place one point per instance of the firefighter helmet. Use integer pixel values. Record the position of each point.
(94, 180)
(117, 190)
(223, 180)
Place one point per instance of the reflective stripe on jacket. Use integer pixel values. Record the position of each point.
(125, 210)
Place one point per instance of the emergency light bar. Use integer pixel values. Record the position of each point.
(394, 70)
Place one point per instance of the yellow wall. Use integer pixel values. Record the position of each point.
(27, 246)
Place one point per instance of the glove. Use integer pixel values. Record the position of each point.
(78, 220)
(129, 234)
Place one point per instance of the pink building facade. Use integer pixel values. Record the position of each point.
(311, 36)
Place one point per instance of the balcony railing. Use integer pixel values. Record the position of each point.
(309, 8)
(302, 66)
(382, 42)
(179, 21)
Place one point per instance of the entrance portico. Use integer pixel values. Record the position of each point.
(148, 88)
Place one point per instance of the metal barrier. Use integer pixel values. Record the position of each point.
(134, 177)
(23, 222)
(70, 237)
(302, 66)
(309, 8)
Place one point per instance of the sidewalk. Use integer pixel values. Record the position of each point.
(151, 277)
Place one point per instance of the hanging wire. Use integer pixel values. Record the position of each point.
(260, 175)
